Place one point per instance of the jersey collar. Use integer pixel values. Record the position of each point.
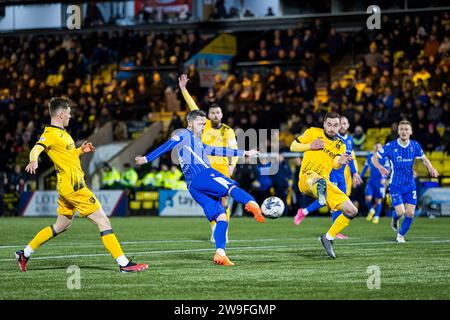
(399, 143)
(53, 126)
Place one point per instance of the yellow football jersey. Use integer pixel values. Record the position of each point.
(221, 137)
(320, 161)
(61, 149)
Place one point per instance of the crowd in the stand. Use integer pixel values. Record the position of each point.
(82, 67)
(402, 72)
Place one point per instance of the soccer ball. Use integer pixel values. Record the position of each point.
(272, 207)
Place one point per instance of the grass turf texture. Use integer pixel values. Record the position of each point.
(275, 260)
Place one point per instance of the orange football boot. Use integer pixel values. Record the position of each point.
(254, 208)
(222, 260)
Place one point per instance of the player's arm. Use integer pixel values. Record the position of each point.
(352, 165)
(165, 147)
(355, 176)
(307, 142)
(232, 144)
(341, 160)
(366, 166)
(34, 156)
(182, 81)
(227, 152)
(427, 163)
(85, 148)
(375, 160)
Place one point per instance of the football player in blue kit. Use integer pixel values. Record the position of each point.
(206, 185)
(376, 186)
(402, 187)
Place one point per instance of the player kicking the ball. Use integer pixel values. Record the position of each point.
(207, 185)
(216, 134)
(73, 192)
(402, 186)
(324, 151)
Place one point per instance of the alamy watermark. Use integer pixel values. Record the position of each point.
(74, 280)
(374, 280)
(74, 17)
(374, 20)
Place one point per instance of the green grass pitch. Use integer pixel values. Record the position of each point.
(275, 260)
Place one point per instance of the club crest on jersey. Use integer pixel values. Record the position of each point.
(70, 146)
(92, 200)
(338, 144)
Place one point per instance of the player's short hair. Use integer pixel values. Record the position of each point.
(58, 103)
(194, 114)
(332, 115)
(406, 122)
(213, 106)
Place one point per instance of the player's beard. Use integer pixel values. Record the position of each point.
(215, 123)
(329, 136)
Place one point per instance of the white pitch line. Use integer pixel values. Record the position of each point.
(148, 252)
(236, 248)
(98, 244)
(91, 244)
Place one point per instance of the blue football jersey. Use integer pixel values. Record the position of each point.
(401, 160)
(375, 176)
(192, 153)
(348, 141)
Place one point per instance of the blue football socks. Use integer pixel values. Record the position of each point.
(220, 234)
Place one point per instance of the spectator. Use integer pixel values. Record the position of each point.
(393, 135)
(269, 12)
(11, 202)
(110, 177)
(248, 13)
(359, 138)
(373, 57)
(129, 177)
(93, 15)
(432, 139)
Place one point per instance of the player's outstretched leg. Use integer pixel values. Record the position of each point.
(378, 207)
(406, 224)
(319, 189)
(213, 228)
(213, 223)
(62, 224)
(248, 201)
(303, 212)
(369, 206)
(397, 213)
(112, 244)
(350, 211)
(220, 232)
(334, 216)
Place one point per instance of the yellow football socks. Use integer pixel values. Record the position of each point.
(339, 224)
(42, 237)
(111, 243)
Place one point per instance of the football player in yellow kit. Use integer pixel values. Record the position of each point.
(73, 194)
(216, 134)
(322, 152)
